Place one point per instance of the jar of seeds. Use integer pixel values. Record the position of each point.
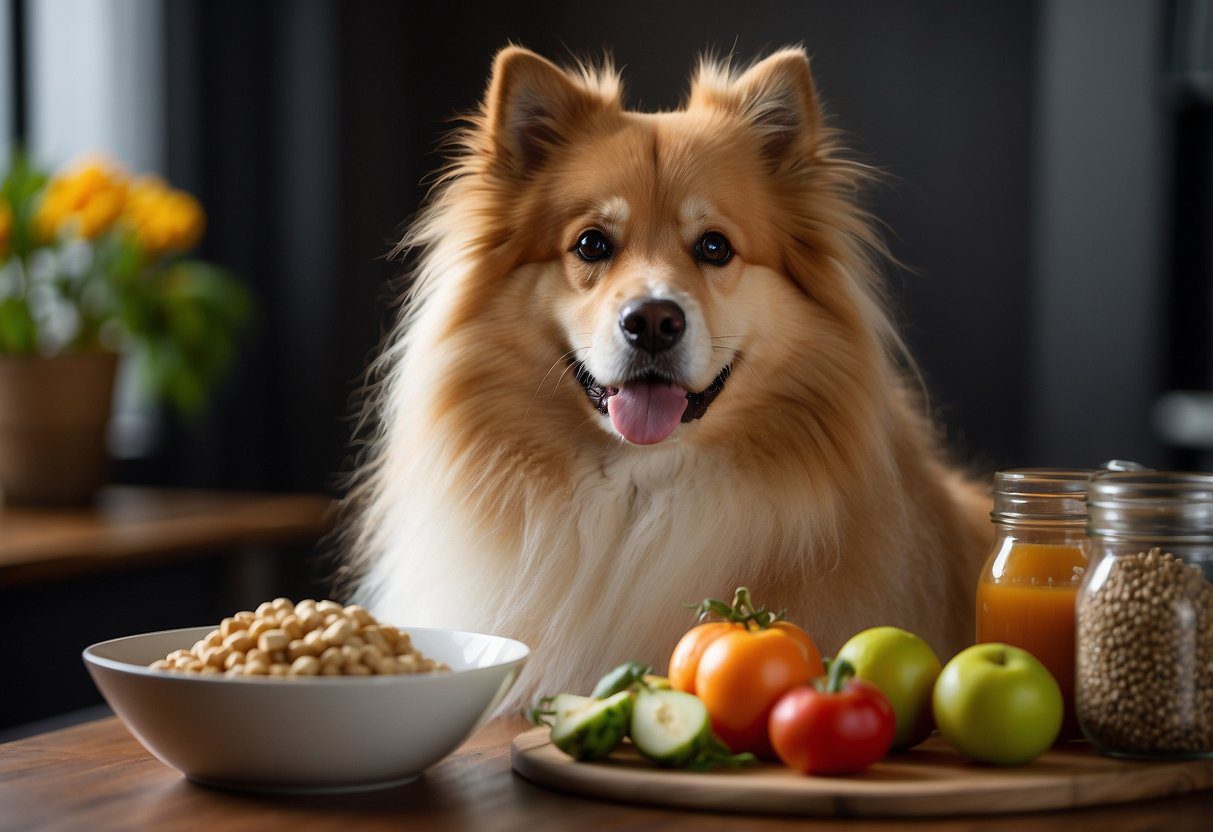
(1144, 674)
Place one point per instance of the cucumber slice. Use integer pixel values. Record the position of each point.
(670, 727)
(656, 682)
(593, 730)
(564, 704)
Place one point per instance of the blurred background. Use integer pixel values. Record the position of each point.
(1050, 193)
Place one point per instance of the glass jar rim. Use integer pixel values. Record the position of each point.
(1151, 504)
(1047, 495)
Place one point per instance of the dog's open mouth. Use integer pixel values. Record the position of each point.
(647, 409)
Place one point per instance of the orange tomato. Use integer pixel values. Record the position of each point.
(743, 672)
(684, 662)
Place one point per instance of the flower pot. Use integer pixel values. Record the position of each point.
(53, 416)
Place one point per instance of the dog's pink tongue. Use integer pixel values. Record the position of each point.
(647, 412)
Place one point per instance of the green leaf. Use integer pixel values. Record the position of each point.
(18, 330)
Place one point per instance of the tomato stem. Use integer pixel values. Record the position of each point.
(841, 672)
(741, 611)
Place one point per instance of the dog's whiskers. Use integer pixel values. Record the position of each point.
(565, 357)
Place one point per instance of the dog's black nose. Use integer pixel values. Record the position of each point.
(652, 325)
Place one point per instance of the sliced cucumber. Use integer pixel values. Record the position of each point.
(593, 730)
(670, 727)
(656, 682)
(565, 703)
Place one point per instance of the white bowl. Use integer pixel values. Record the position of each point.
(328, 733)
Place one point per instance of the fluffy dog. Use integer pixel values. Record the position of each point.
(644, 359)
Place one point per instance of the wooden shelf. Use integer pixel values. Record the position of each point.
(130, 526)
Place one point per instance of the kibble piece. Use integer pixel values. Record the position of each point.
(229, 626)
(272, 641)
(359, 614)
(355, 669)
(292, 625)
(162, 664)
(260, 626)
(233, 659)
(265, 610)
(305, 666)
(339, 631)
(326, 607)
(240, 640)
(279, 669)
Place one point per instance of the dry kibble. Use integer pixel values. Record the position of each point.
(240, 640)
(310, 618)
(284, 639)
(339, 631)
(305, 666)
(293, 626)
(273, 640)
(1145, 657)
(359, 614)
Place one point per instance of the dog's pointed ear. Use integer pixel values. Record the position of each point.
(776, 96)
(532, 107)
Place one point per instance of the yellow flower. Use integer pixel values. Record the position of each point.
(84, 200)
(6, 226)
(162, 218)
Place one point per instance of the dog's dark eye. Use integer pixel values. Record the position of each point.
(713, 248)
(593, 245)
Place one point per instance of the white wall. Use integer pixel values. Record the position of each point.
(95, 81)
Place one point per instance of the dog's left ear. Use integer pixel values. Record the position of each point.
(776, 96)
(532, 107)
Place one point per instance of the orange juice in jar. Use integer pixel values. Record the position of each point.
(1026, 593)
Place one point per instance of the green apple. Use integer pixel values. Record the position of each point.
(998, 704)
(904, 667)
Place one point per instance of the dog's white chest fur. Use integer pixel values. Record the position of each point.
(601, 574)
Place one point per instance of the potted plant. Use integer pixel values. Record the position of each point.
(92, 267)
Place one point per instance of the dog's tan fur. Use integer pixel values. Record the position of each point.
(495, 498)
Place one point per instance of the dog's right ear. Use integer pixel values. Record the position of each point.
(532, 107)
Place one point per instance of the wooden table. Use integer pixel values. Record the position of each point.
(97, 777)
(128, 527)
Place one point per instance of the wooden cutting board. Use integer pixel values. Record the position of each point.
(932, 779)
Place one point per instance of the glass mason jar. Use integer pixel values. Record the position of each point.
(1027, 589)
(1145, 616)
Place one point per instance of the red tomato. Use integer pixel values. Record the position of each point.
(740, 676)
(840, 732)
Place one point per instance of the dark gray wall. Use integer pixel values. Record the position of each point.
(1100, 214)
